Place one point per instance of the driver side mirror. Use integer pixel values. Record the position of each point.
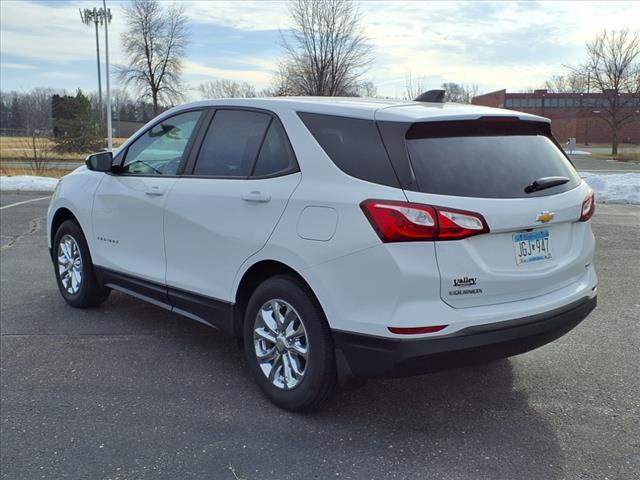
(100, 162)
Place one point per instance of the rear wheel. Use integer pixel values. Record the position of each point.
(288, 344)
(74, 270)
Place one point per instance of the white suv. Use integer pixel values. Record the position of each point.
(341, 238)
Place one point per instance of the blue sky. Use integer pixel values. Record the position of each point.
(493, 44)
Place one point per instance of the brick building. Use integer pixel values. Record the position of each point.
(577, 115)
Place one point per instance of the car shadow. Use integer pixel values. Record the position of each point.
(474, 422)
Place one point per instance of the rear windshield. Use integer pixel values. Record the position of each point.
(480, 159)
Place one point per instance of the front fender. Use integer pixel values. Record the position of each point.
(75, 192)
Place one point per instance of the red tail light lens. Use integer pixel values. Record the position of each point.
(410, 222)
(401, 221)
(588, 207)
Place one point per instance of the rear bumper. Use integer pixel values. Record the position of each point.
(367, 356)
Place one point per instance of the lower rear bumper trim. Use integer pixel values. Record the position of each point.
(367, 356)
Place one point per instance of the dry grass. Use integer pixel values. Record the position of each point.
(629, 154)
(15, 171)
(14, 148)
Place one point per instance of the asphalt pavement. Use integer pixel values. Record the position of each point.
(585, 163)
(130, 391)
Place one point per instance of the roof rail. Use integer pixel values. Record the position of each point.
(432, 96)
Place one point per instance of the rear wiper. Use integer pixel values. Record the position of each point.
(545, 182)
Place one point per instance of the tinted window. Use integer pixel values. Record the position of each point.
(159, 150)
(275, 154)
(473, 160)
(231, 144)
(354, 145)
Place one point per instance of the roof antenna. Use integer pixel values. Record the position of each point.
(431, 96)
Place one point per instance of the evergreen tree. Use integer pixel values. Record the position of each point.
(74, 126)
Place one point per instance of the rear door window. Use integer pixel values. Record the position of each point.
(478, 159)
(231, 144)
(354, 145)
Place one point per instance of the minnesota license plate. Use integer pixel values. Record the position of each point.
(532, 247)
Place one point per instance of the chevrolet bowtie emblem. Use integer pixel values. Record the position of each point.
(545, 217)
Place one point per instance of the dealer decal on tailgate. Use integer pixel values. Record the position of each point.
(465, 282)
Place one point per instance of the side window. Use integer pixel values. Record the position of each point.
(230, 147)
(159, 150)
(354, 145)
(275, 155)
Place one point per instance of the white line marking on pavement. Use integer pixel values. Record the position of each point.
(25, 201)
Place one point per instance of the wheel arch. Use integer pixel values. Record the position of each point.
(61, 215)
(254, 276)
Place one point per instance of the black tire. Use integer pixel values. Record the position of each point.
(90, 293)
(319, 380)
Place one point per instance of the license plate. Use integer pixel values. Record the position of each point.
(532, 247)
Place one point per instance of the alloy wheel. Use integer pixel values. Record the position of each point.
(70, 264)
(280, 342)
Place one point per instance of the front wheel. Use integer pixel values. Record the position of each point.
(74, 270)
(288, 344)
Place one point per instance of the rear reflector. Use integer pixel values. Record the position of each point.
(417, 330)
(410, 222)
(588, 207)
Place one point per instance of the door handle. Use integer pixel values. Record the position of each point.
(256, 196)
(155, 191)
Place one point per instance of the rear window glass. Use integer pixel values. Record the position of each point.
(354, 145)
(474, 159)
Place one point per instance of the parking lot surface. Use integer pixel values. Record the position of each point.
(130, 391)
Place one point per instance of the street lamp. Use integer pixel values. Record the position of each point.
(106, 13)
(95, 16)
(88, 17)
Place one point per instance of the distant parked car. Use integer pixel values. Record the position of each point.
(339, 237)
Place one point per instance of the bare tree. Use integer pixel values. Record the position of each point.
(574, 82)
(36, 149)
(326, 52)
(281, 83)
(365, 89)
(413, 87)
(459, 93)
(155, 42)
(226, 89)
(613, 66)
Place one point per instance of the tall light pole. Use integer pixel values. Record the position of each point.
(89, 16)
(106, 13)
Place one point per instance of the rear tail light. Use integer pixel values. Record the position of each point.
(407, 222)
(588, 207)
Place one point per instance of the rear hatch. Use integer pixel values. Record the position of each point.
(490, 166)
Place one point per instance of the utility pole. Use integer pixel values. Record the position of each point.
(89, 16)
(587, 118)
(107, 19)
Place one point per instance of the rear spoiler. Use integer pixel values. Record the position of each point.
(483, 126)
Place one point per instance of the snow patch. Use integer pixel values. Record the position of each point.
(28, 183)
(614, 188)
(577, 152)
